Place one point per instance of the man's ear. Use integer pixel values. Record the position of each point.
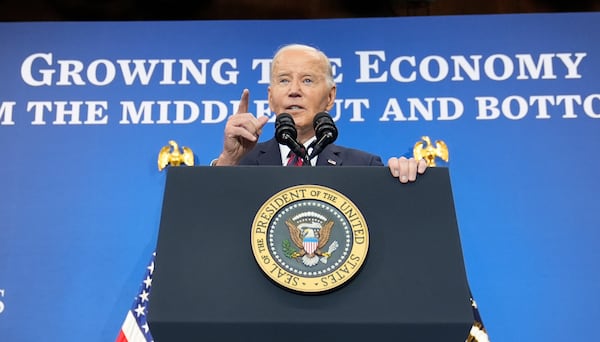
(331, 97)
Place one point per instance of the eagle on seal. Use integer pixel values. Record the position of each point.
(310, 240)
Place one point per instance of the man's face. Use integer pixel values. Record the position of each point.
(299, 87)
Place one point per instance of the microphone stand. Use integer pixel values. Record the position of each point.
(309, 156)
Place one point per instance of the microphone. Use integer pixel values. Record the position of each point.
(286, 134)
(325, 131)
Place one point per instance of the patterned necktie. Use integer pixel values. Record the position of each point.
(294, 160)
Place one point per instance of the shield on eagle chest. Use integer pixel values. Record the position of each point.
(310, 244)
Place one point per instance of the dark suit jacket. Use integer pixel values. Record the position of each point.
(267, 153)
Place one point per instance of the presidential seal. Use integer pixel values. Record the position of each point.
(309, 238)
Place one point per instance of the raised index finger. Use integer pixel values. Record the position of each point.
(243, 106)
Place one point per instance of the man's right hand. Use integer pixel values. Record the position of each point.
(241, 133)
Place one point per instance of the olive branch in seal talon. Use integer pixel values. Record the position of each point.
(288, 250)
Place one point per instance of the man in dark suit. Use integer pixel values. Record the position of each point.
(269, 153)
(301, 85)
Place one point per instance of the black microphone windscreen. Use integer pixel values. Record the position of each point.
(285, 128)
(323, 124)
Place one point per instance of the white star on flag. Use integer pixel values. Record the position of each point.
(135, 328)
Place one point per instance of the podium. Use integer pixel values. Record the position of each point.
(208, 286)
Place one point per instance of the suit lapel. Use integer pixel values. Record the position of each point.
(330, 156)
(269, 153)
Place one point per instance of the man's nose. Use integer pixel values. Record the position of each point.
(295, 89)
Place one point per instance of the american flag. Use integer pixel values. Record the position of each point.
(135, 327)
(478, 332)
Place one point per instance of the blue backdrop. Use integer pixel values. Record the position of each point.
(85, 108)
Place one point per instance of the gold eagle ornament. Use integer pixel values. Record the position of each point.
(423, 149)
(172, 155)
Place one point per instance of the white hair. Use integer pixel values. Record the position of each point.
(321, 54)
